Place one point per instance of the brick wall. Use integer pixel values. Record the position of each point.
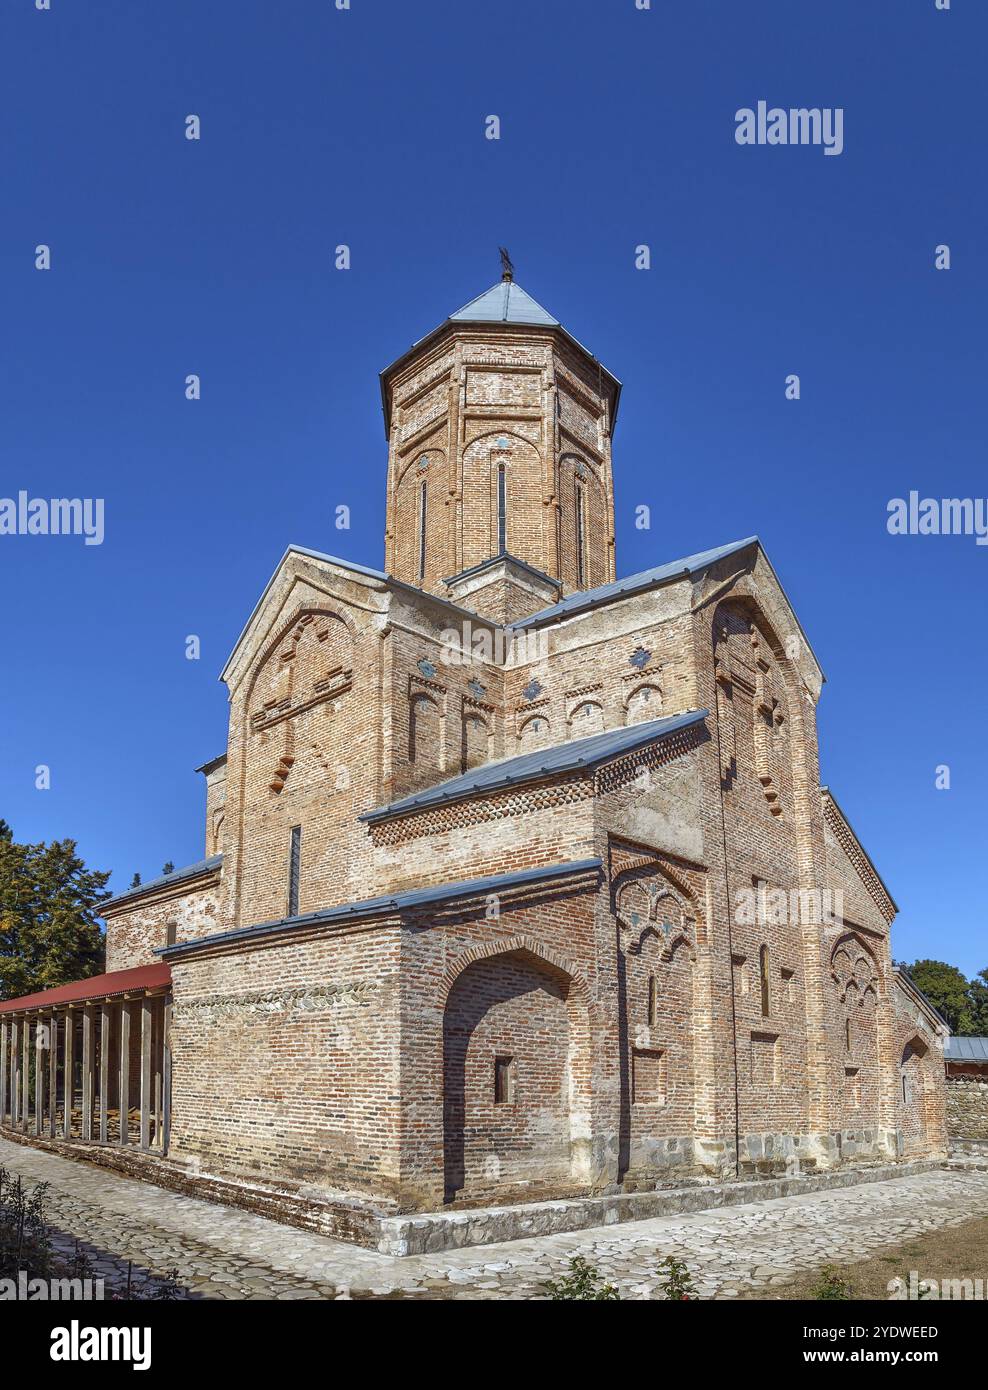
(286, 1060)
(189, 910)
(481, 401)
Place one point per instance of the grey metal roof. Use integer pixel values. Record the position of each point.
(505, 555)
(210, 766)
(529, 767)
(957, 1049)
(201, 866)
(633, 584)
(398, 902)
(505, 302)
(333, 560)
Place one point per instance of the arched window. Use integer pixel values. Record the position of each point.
(423, 731)
(763, 966)
(644, 703)
(474, 741)
(294, 869)
(422, 516)
(502, 509)
(587, 718)
(534, 733)
(581, 537)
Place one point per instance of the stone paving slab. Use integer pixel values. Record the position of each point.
(222, 1252)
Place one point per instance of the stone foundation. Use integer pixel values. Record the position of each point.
(378, 1226)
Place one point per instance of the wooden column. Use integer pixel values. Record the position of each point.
(15, 1071)
(68, 1073)
(146, 1021)
(25, 1115)
(104, 1071)
(52, 1074)
(39, 1074)
(166, 1078)
(157, 1066)
(4, 1067)
(87, 1072)
(124, 1086)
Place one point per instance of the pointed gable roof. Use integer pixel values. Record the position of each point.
(505, 302)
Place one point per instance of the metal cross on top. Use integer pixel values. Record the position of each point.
(507, 269)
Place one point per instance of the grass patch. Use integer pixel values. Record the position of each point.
(952, 1252)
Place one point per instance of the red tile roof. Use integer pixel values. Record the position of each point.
(144, 977)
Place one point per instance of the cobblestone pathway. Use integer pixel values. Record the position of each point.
(221, 1252)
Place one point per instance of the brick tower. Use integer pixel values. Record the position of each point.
(499, 423)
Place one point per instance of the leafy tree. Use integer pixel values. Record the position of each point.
(135, 882)
(49, 928)
(947, 990)
(978, 995)
(168, 868)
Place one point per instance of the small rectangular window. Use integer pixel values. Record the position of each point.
(171, 933)
(294, 869)
(504, 1081)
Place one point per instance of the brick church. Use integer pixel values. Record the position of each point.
(519, 879)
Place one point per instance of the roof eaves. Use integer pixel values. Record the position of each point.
(450, 323)
(211, 766)
(136, 979)
(825, 791)
(187, 873)
(617, 589)
(557, 760)
(911, 987)
(388, 906)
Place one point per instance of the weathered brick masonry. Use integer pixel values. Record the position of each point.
(521, 881)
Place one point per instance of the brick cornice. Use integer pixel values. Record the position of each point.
(857, 856)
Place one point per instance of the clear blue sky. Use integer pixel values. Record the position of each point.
(366, 127)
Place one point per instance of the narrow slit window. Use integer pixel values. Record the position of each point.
(581, 534)
(423, 500)
(504, 1080)
(294, 868)
(652, 999)
(847, 1035)
(763, 969)
(502, 510)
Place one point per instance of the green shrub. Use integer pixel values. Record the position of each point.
(584, 1283)
(675, 1280)
(833, 1286)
